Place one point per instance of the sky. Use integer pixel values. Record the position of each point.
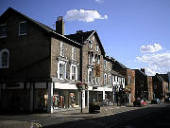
(134, 32)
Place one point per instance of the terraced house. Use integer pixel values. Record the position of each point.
(40, 67)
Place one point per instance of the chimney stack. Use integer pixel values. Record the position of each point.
(60, 25)
(143, 70)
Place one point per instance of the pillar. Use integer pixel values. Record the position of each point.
(83, 99)
(103, 94)
(31, 97)
(50, 98)
(87, 98)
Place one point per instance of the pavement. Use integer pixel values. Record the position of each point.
(46, 120)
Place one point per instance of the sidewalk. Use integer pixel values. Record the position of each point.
(40, 120)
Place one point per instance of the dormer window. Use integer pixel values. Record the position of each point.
(23, 28)
(3, 30)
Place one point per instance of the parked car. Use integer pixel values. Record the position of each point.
(139, 102)
(94, 107)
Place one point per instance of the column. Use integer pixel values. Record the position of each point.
(31, 96)
(50, 98)
(103, 94)
(87, 98)
(83, 99)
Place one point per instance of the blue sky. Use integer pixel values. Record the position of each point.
(135, 32)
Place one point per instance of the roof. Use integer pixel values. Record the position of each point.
(116, 73)
(120, 64)
(163, 77)
(140, 72)
(43, 26)
(81, 37)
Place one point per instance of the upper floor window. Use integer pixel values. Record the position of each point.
(90, 76)
(73, 53)
(97, 80)
(62, 49)
(62, 70)
(97, 47)
(110, 80)
(4, 58)
(105, 79)
(90, 58)
(3, 30)
(73, 73)
(23, 28)
(90, 44)
(129, 80)
(105, 64)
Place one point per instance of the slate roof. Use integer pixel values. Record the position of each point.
(43, 26)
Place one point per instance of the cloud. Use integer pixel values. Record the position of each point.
(84, 15)
(156, 63)
(99, 1)
(150, 48)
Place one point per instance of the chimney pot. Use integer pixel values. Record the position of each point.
(60, 25)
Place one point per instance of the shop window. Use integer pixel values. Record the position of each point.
(62, 70)
(73, 72)
(23, 28)
(4, 58)
(3, 30)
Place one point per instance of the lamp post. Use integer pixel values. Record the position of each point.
(81, 86)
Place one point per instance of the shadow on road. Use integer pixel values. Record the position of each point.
(151, 117)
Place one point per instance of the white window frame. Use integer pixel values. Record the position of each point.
(105, 64)
(1, 52)
(105, 79)
(6, 33)
(64, 63)
(72, 65)
(61, 49)
(90, 70)
(20, 34)
(90, 44)
(73, 53)
(109, 79)
(97, 47)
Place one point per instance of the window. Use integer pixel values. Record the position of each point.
(73, 53)
(90, 44)
(3, 31)
(97, 47)
(110, 80)
(62, 70)
(62, 49)
(115, 78)
(4, 58)
(97, 80)
(90, 57)
(73, 72)
(23, 28)
(90, 76)
(105, 79)
(105, 64)
(98, 59)
(129, 80)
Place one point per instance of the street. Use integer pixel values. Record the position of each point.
(151, 116)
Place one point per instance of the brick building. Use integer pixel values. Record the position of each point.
(36, 71)
(160, 86)
(40, 67)
(129, 75)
